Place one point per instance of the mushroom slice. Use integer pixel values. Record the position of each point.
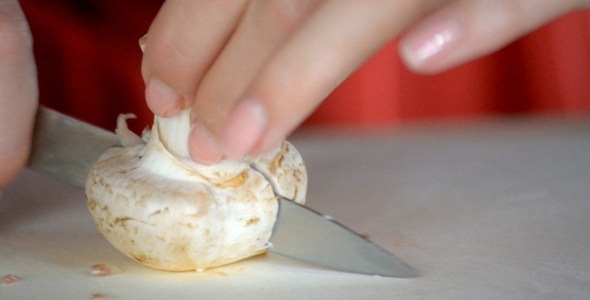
(157, 206)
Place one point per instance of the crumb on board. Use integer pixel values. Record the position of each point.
(100, 296)
(9, 279)
(103, 270)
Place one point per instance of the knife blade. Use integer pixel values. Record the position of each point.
(306, 235)
(65, 148)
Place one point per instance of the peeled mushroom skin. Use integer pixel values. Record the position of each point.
(165, 211)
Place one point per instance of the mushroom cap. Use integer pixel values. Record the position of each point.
(165, 211)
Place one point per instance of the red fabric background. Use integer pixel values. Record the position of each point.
(89, 60)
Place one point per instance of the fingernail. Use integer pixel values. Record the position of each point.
(244, 128)
(162, 99)
(202, 146)
(430, 41)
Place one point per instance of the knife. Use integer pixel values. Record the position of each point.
(65, 149)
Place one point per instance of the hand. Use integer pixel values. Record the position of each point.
(462, 30)
(18, 90)
(252, 71)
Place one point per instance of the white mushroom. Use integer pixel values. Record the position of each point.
(157, 206)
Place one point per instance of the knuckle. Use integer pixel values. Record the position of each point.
(286, 13)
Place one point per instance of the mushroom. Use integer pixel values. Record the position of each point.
(162, 209)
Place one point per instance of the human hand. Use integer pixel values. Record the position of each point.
(252, 71)
(462, 30)
(18, 90)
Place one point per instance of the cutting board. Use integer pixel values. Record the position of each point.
(484, 210)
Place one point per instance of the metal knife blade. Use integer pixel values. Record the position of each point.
(306, 235)
(65, 149)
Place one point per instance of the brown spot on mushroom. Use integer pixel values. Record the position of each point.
(252, 221)
(190, 225)
(235, 181)
(178, 249)
(277, 160)
(92, 204)
(119, 221)
(146, 259)
(142, 258)
(157, 212)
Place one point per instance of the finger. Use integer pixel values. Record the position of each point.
(467, 29)
(326, 48)
(18, 90)
(265, 26)
(181, 44)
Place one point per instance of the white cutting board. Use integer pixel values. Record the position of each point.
(484, 211)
